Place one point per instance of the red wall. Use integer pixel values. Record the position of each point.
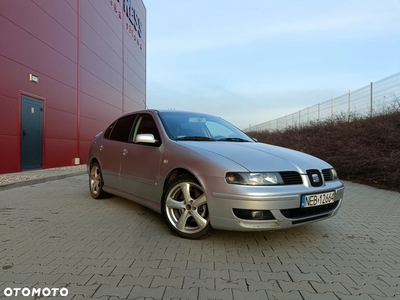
(91, 66)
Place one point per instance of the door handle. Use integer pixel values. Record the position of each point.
(101, 147)
(125, 152)
(24, 134)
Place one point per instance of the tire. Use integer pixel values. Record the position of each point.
(96, 182)
(184, 208)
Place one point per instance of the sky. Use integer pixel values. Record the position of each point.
(253, 61)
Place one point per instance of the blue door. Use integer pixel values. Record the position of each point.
(31, 134)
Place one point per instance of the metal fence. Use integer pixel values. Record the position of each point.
(369, 100)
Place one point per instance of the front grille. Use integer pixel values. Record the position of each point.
(327, 174)
(315, 178)
(295, 213)
(290, 178)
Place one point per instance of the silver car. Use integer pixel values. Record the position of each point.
(200, 172)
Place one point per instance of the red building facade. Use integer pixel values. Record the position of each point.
(67, 69)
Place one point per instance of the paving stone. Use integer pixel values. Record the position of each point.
(206, 294)
(63, 269)
(128, 280)
(16, 278)
(285, 268)
(233, 274)
(371, 289)
(82, 290)
(265, 276)
(108, 280)
(297, 277)
(176, 282)
(85, 261)
(223, 274)
(174, 293)
(313, 269)
(172, 264)
(71, 279)
(327, 278)
(126, 271)
(147, 293)
(270, 285)
(295, 295)
(156, 272)
(330, 287)
(240, 284)
(119, 291)
(190, 282)
(193, 273)
(358, 297)
(237, 266)
(188, 257)
(200, 265)
(295, 286)
(246, 295)
(319, 296)
(43, 278)
(255, 267)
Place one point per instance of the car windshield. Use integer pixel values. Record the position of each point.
(200, 127)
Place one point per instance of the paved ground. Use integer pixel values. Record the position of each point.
(53, 235)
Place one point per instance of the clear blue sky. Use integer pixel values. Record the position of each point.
(257, 60)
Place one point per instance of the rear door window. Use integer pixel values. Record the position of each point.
(122, 129)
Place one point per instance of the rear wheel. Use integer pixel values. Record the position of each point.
(96, 182)
(184, 208)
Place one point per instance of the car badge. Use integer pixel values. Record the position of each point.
(315, 178)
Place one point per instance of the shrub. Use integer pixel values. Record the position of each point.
(363, 150)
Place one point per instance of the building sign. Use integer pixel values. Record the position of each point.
(134, 24)
(133, 17)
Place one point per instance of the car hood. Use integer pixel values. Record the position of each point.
(259, 157)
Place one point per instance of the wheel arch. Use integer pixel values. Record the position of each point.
(176, 173)
(92, 161)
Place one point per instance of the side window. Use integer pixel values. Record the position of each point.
(108, 130)
(145, 124)
(121, 130)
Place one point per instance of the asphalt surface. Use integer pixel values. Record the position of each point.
(54, 235)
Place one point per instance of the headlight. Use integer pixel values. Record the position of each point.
(270, 178)
(334, 174)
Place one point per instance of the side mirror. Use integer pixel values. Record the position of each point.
(254, 139)
(146, 138)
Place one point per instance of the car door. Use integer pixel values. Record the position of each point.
(140, 162)
(110, 149)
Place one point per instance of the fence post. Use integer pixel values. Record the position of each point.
(332, 110)
(348, 109)
(299, 118)
(318, 111)
(371, 101)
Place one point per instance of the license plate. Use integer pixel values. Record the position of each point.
(317, 199)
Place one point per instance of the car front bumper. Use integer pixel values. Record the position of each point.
(281, 205)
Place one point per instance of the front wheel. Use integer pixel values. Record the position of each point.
(96, 182)
(185, 210)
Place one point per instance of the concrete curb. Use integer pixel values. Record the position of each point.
(46, 178)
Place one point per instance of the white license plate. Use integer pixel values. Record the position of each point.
(317, 199)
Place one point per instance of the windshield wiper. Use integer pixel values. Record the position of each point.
(194, 138)
(233, 139)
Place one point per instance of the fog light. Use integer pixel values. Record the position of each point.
(257, 214)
